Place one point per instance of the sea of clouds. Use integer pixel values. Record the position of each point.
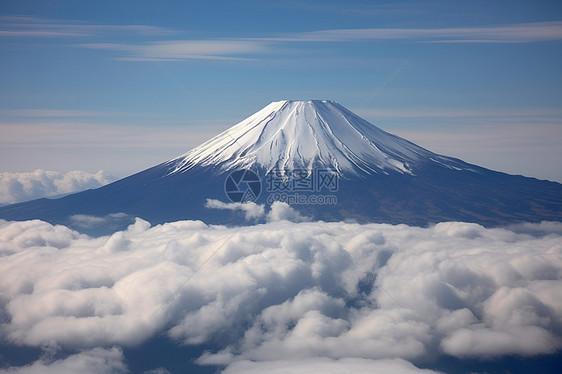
(282, 296)
(18, 187)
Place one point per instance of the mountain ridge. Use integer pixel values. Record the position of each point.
(430, 188)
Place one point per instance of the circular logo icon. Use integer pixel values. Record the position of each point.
(242, 186)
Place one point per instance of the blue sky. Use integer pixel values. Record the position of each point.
(80, 88)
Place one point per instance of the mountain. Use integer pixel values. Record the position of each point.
(324, 160)
(306, 134)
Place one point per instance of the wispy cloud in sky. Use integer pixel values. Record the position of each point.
(511, 138)
(513, 33)
(174, 50)
(446, 112)
(476, 132)
(77, 134)
(32, 27)
(242, 47)
(49, 113)
(97, 139)
(235, 48)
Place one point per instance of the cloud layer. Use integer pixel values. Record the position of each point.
(17, 187)
(285, 295)
(93, 361)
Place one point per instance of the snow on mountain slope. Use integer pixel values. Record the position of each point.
(307, 134)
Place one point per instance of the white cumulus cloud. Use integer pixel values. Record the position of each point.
(287, 295)
(252, 211)
(17, 187)
(281, 211)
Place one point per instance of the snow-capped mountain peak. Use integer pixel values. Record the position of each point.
(384, 178)
(307, 134)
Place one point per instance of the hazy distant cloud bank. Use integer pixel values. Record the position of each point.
(17, 187)
(279, 302)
